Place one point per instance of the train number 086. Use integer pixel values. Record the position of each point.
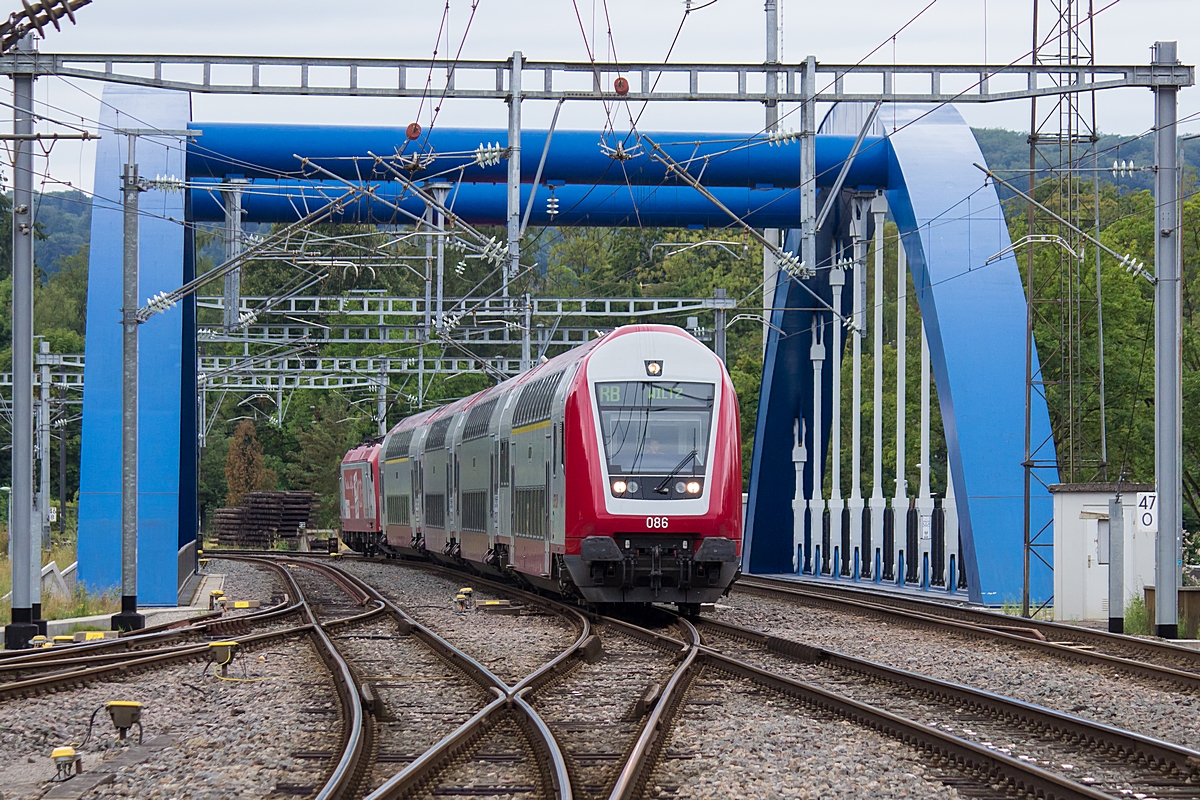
(657, 522)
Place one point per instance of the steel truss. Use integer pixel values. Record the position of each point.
(581, 80)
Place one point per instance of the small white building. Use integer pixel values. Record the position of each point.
(1081, 530)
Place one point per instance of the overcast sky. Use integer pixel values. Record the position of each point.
(951, 31)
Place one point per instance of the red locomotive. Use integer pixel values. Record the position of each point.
(611, 473)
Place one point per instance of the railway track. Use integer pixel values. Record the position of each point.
(1102, 757)
(1147, 658)
(503, 747)
(984, 745)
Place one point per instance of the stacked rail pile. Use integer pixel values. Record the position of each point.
(263, 519)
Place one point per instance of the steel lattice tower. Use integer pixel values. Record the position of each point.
(1063, 274)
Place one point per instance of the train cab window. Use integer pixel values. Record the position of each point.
(652, 427)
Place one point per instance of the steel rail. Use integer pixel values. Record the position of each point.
(551, 762)
(1014, 631)
(1157, 755)
(78, 677)
(342, 775)
(1167, 652)
(220, 626)
(645, 752)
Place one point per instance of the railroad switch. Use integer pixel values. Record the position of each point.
(67, 763)
(203, 564)
(465, 600)
(214, 597)
(221, 654)
(40, 641)
(498, 607)
(64, 639)
(124, 715)
(243, 604)
(91, 636)
(460, 604)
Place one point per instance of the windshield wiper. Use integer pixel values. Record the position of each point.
(661, 488)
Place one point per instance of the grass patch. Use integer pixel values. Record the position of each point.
(1137, 617)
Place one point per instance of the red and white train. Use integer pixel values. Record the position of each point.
(610, 473)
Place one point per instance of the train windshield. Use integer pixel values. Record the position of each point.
(652, 427)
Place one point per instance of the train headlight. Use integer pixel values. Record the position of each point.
(654, 368)
(680, 488)
(633, 487)
(619, 487)
(693, 487)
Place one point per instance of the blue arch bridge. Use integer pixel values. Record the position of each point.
(917, 173)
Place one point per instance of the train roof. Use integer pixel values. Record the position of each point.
(547, 367)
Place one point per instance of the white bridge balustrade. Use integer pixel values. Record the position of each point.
(894, 536)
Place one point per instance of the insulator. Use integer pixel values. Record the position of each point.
(782, 137)
(794, 267)
(460, 268)
(488, 154)
(552, 206)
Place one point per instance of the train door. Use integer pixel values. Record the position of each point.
(494, 490)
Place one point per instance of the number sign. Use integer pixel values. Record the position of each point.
(1147, 512)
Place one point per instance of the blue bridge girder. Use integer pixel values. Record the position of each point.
(951, 222)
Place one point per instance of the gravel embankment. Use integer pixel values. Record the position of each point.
(590, 710)
(1083, 764)
(232, 739)
(1142, 705)
(420, 698)
(734, 739)
(510, 646)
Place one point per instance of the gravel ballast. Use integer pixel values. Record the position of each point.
(1142, 705)
(510, 646)
(419, 698)
(231, 739)
(735, 739)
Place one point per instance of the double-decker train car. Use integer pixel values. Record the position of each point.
(611, 473)
(359, 488)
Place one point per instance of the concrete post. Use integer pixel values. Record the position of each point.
(18, 632)
(859, 232)
(816, 505)
(950, 516)
(128, 618)
(1168, 398)
(799, 459)
(1116, 566)
(924, 496)
(837, 279)
(878, 503)
(900, 499)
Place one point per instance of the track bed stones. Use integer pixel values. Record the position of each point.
(500, 767)
(1142, 705)
(327, 599)
(596, 711)
(246, 581)
(418, 698)
(252, 737)
(1090, 765)
(735, 739)
(510, 646)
